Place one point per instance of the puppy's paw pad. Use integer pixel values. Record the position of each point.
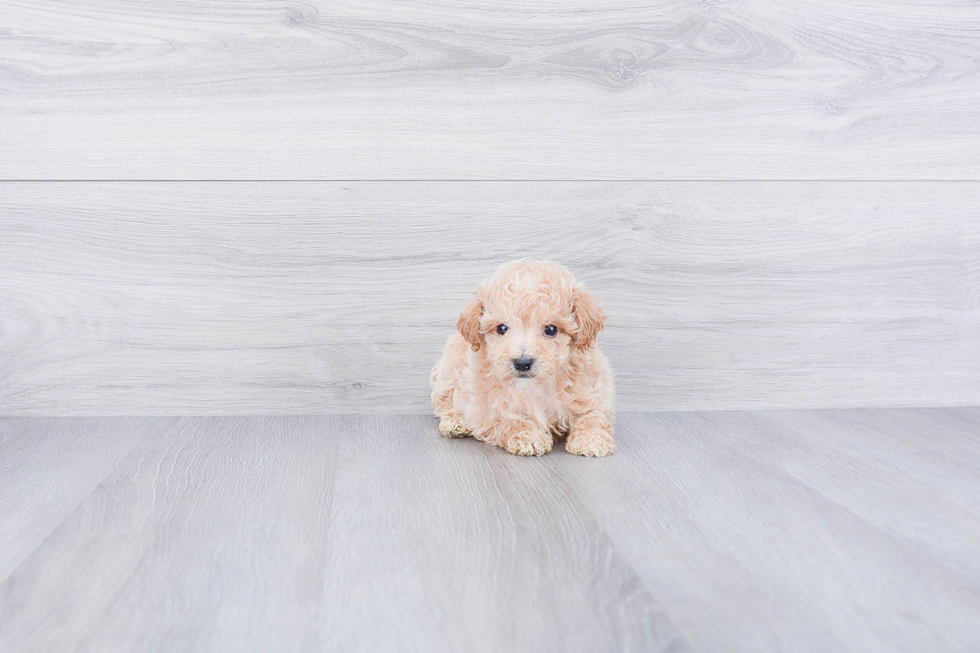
(452, 426)
(528, 444)
(590, 443)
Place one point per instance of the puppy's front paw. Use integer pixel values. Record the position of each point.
(452, 426)
(528, 443)
(595, 442)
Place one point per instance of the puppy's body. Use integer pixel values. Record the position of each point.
(531, 315)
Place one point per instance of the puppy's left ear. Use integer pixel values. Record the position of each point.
(468, 323)
(590, 317)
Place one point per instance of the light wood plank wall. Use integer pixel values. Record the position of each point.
(469, 89)
(252, 297)
(778, 203)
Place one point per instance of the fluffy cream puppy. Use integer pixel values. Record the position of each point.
(523, 367)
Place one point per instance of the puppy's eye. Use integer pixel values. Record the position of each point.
(551, 330)
(501, 329)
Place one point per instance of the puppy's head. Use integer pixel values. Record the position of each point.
(528, 319)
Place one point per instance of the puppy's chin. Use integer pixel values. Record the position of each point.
(524, 381)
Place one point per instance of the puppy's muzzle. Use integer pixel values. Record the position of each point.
(523, 366)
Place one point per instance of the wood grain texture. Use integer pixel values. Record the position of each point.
(736, 531)
(48, 471)
(785, 530)
(326, 534)
(630, 89)
(249, 298)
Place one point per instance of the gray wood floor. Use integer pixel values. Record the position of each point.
(724, 531)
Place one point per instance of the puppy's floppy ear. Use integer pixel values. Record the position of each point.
(590, 318)
(468, 323)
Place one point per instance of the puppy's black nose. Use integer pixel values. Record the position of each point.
(523, 364)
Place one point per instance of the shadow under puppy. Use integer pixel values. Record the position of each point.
(523, 367)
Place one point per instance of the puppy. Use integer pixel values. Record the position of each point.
(523, 367)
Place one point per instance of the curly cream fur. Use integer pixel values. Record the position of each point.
(476, 390)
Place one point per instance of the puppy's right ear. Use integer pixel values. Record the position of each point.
(468, 323)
